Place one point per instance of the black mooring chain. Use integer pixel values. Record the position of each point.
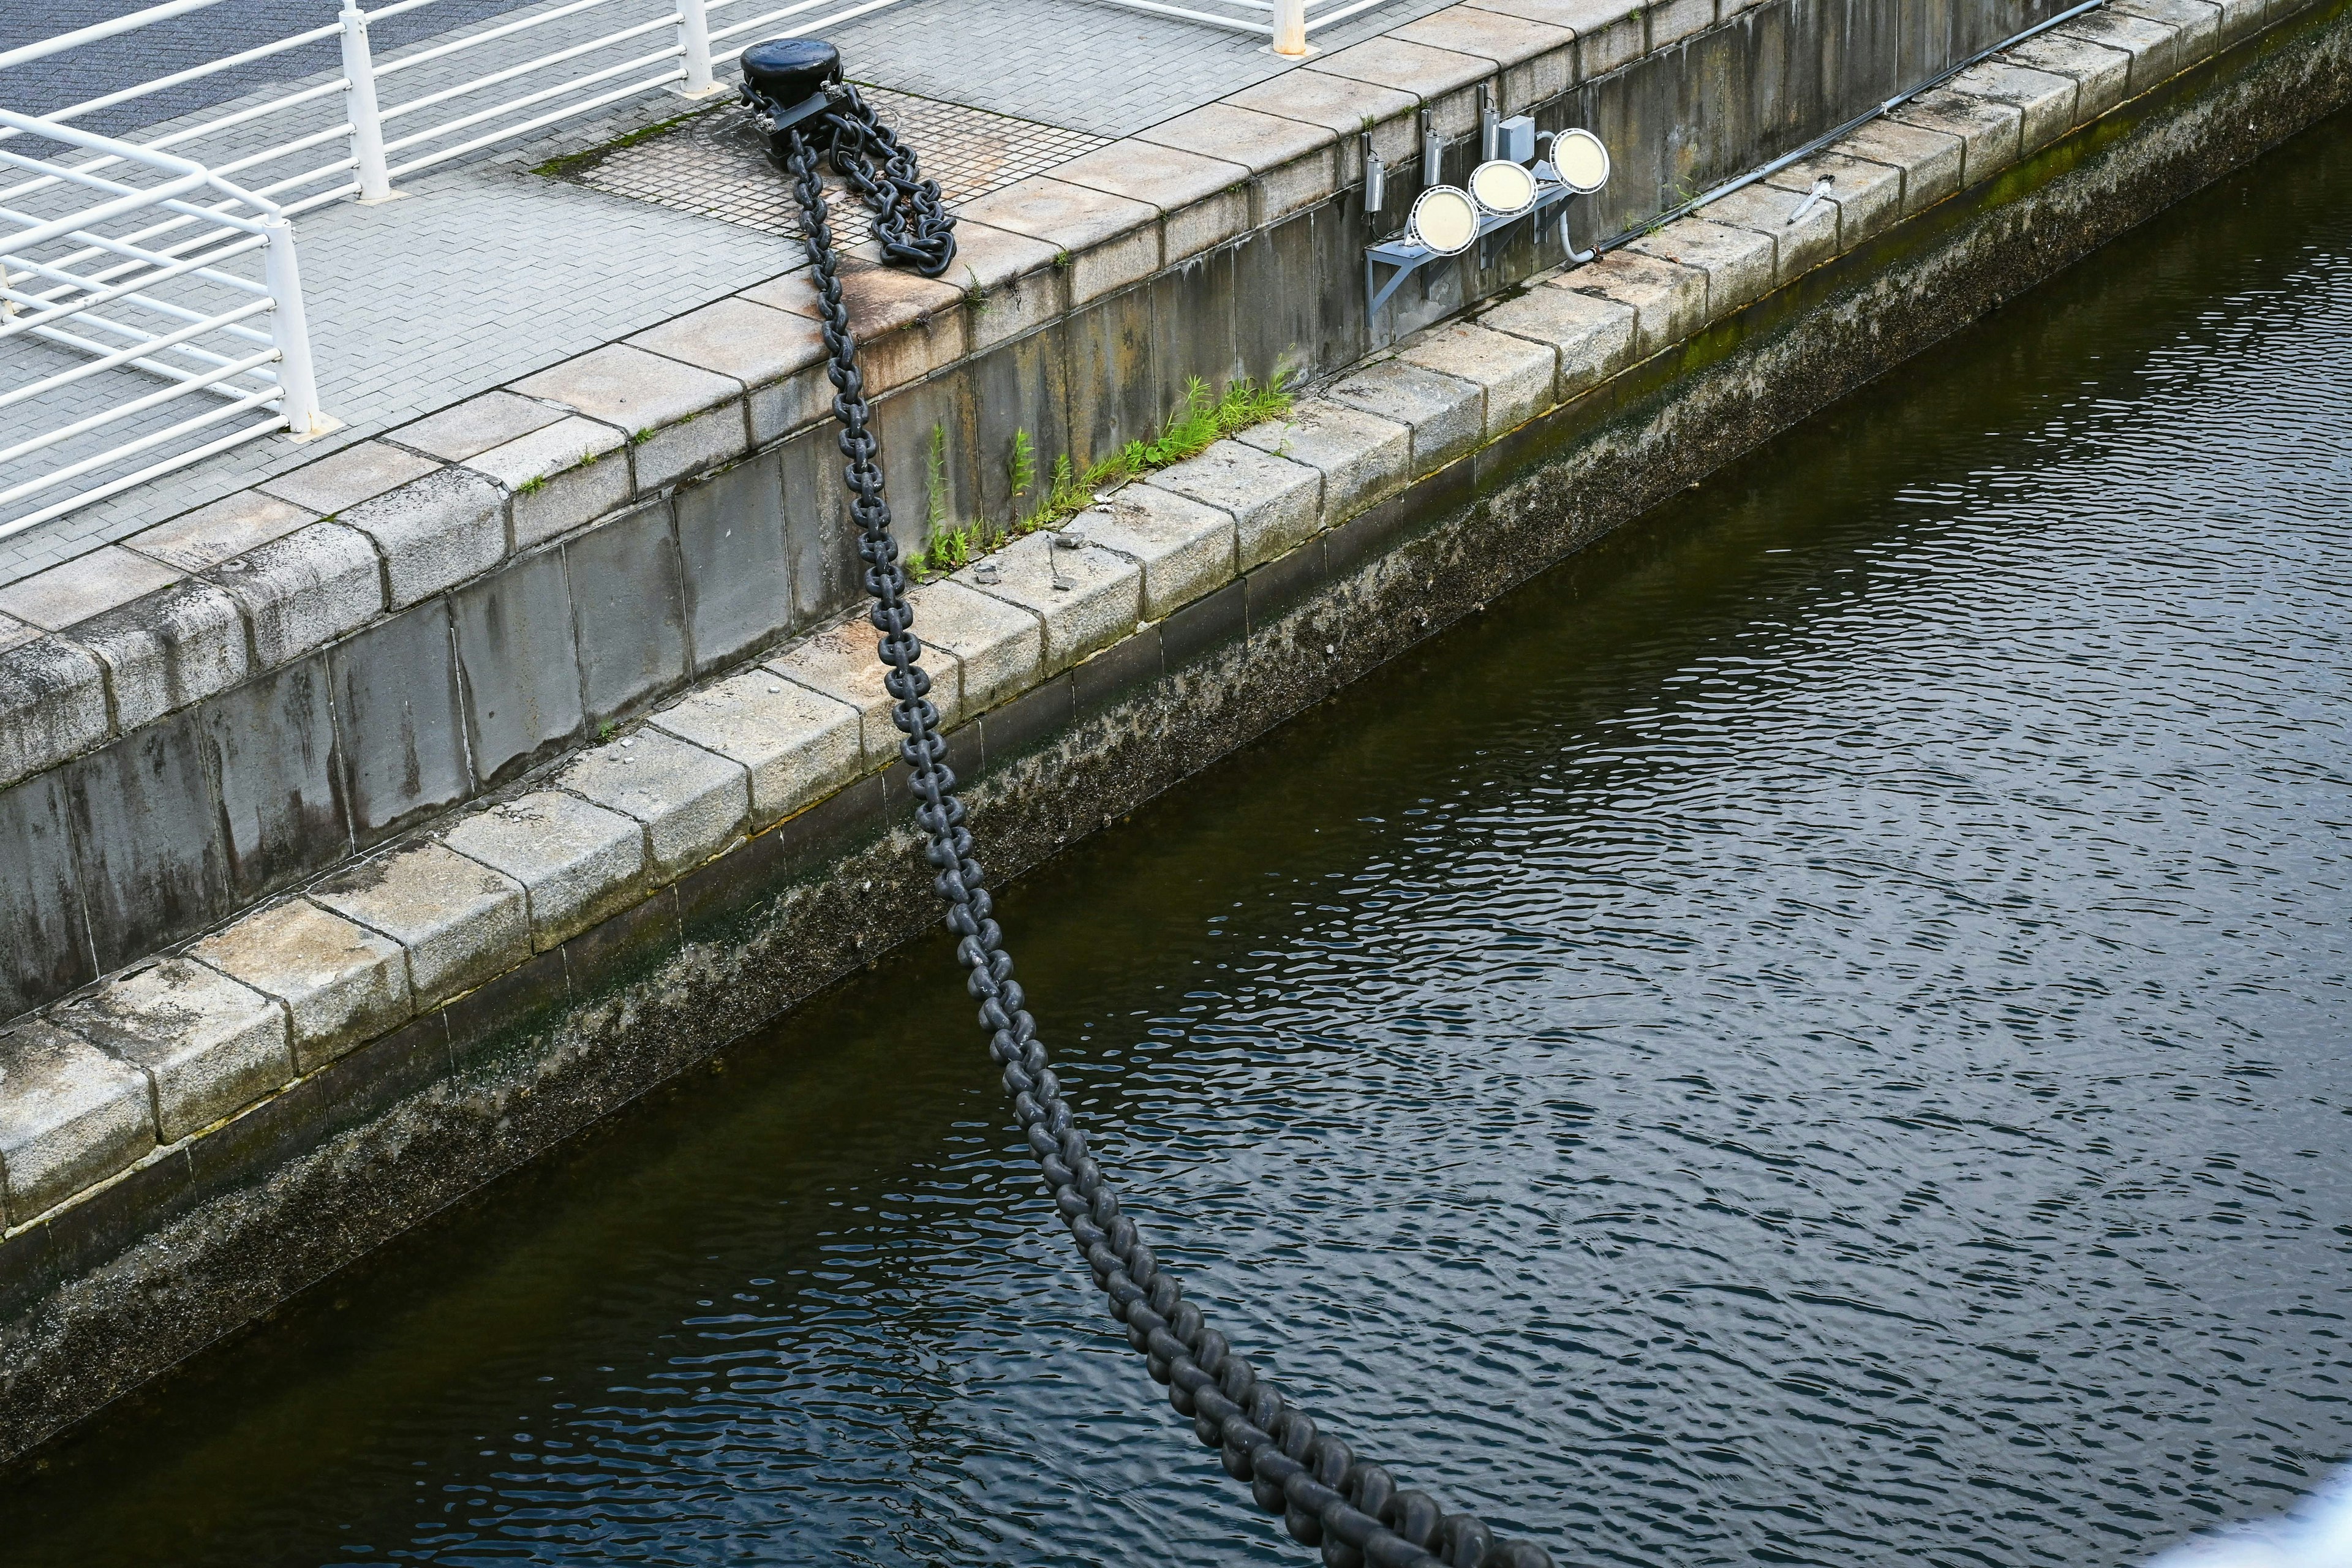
(1328, 1497)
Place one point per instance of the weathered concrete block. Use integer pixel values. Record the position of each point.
(1444, 80)
(304, 589)
(996, 647)
(797, 746)
(777, 354)
(1516, 377)
(105, 579)
(556, 477)
(459, 922)
(271, 744)
(1738, 262)
(349, 476)
(1185, 548)
(519, 666)
(1089, 598)
(1609, 33)
(906, 326)
(1668, 301)
(1535, 60)
(1109, 241)
(340, 984)
(1277, 505)
(2153, 47)
(400, 731)
(680, 419)
(167, 651)
(1447, 415)
(2047, 100)
(1203, 201)
(1292, 164)
(209, 1046)
(1346, 108)
(736, 573)
(45, 946)
(201, 540)
(1797, 248)
(476, 426)
(1868, 195)
(2240, 19)
(1929, 160)
(1674, 20)
(70, 1116)
(2196, 26)
(52, 705)
(840, 663)
(691, 803)
(2101, 75)
(1988, 130)
(147, 841)
(577, 863)
(1363, 459)
(1592, 338)
(1012, 283)
(434, 532)
(629, 609)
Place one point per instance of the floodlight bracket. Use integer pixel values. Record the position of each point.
(1404, 258)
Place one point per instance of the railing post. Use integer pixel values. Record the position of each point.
(298, 387)
(694, 39)
(359, 102)
(1290, 27)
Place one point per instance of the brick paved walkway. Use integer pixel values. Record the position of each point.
(482, 273)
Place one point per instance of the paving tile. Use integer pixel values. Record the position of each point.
(1363, 459)
(679, 418)
(1275, 504)
(459, 922)
(1590, 339)
(1294, 165)
(998, 646)
(349, 476)
(71, 1117)
(201, 540)
(475, 425)
(209, 1046)
(91, 585)
(1516, 377)
(1446, 414)
(1185, 547)
(797, 746)
(1108, 241)
(578, 863)
(1441, 79)
(691, 803)
(341, 985)
(1087, 598)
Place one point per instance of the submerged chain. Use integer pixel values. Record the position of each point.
(1328, 1497)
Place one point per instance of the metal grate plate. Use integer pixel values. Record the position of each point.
(715, 165)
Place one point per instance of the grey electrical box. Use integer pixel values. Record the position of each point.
(1516, 139)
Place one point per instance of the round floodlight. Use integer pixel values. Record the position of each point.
(1443, 220)
(1581, 160)
(1502, 188)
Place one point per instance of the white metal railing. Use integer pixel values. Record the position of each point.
(84, 295)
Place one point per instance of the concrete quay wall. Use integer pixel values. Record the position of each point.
(195, 1142)
(242, 698)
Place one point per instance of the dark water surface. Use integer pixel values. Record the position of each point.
(1815, 1034)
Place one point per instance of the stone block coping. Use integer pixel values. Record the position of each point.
(127, 1071)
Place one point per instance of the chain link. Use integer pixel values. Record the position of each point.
(1328, 1498)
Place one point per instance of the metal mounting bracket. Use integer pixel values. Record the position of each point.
(1404, 259)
